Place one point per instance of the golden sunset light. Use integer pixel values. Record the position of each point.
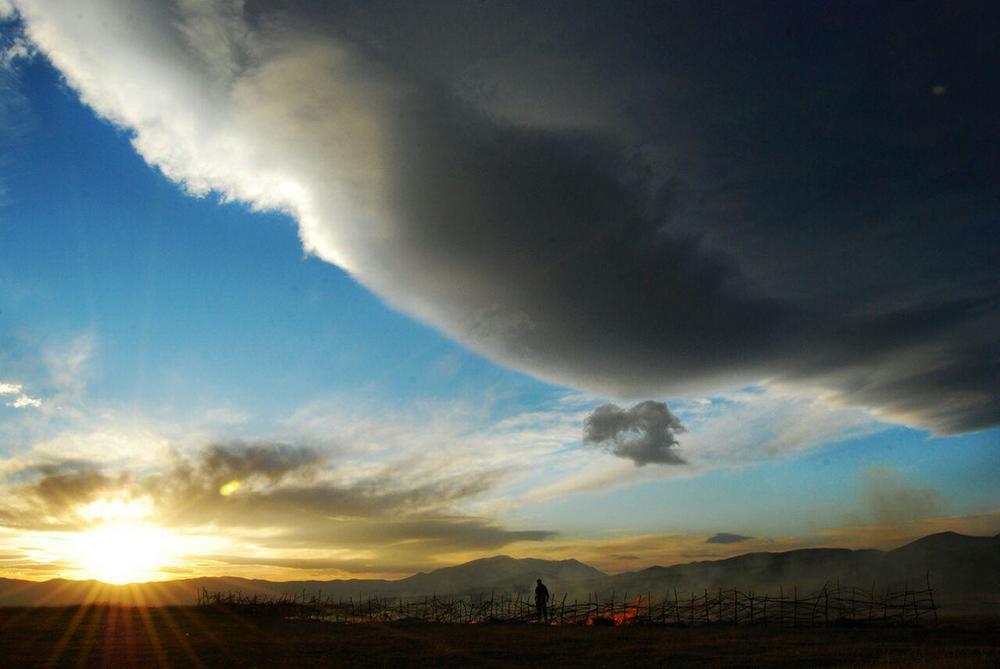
(123, 553)
(336, 333)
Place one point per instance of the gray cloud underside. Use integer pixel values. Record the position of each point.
(630, 199)
(727, 538)
(280, 492)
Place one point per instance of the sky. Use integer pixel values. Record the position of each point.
(322, 290)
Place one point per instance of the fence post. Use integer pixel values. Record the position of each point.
(795, 606)
(781, 606)
(930, 593)
(826, 605)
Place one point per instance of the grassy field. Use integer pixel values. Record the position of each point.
(188, 637)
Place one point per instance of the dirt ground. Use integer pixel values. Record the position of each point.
(187, 637)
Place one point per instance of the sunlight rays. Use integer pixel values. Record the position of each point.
(121, 554)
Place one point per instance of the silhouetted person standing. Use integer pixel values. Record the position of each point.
(542, 601)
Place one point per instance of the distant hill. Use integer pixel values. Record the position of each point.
(807, 568)
(500, 574)
(495, 574)
(957, 564)
(965, 570)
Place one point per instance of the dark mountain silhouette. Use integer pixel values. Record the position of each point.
(807, 568)
(501, 574)
(964, 570)
(960, 566)
(495, 574)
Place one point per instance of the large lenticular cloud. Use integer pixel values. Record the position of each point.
(700, 238)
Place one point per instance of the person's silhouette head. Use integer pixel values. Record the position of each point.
(539, 581)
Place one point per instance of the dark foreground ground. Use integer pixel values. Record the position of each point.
(188, 637)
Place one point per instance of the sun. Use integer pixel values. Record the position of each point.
(122, 553)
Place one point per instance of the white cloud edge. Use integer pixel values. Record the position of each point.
(21, 399)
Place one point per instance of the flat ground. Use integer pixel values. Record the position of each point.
(186, 637)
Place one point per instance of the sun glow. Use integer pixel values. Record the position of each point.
(229, 488)
(123, 553)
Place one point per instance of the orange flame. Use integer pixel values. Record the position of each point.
(624, 618)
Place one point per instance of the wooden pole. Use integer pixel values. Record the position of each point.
(930, 593)
(795, 606)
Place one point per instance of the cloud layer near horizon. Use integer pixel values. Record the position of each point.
(290, 497)
(717, 215)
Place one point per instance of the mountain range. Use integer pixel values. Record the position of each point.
(964, 570)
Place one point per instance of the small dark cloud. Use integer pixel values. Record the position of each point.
(625, 557)
(644, 434)
(727, 538)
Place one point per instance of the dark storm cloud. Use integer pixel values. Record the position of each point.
(776, 195)
(626, 197)
(727, 538)
(645, 434)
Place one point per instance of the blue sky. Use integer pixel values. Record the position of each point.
(193, 300)
(151, 325)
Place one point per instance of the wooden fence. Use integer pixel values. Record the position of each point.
(830, 605)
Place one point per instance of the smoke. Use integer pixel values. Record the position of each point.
(643, 434)
(892, 499)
